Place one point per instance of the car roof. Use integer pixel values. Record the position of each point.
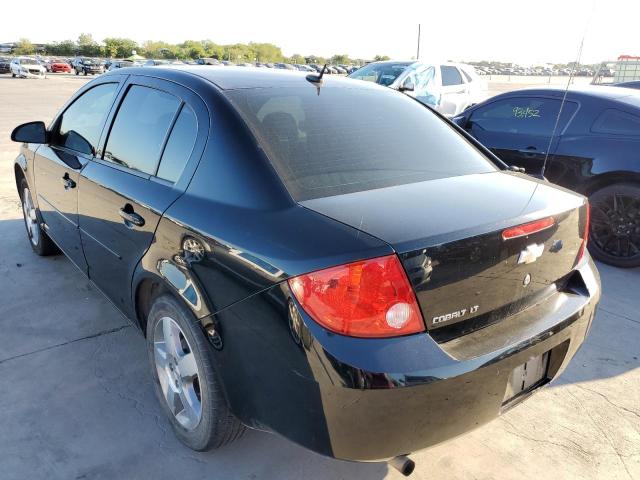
(577, 92)
(231, 78)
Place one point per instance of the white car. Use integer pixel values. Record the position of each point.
(27, 68)
(450, 88)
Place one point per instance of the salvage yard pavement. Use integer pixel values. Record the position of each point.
(77, 399)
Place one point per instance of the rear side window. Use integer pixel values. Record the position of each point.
(80, 126)
(450, 75)
(523, 115)
(343, 140)
(179, 146)
(617, 122)
(140, 128)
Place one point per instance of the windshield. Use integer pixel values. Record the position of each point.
(346, 140)
(28, 61)
(380, 73)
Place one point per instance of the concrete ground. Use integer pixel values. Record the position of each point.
(77, 400)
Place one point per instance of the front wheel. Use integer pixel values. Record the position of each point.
(38, 238)
(615, 225)
(186, 383)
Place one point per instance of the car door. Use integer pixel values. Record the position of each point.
(454, 90)
(75, 134)
(521, 130)
(156, 136)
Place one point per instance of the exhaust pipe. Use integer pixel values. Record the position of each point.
(403, 464)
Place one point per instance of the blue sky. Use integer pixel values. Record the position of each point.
(520, 31)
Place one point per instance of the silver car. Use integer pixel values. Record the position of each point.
(450, 88)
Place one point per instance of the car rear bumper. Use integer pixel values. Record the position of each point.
(373, 399)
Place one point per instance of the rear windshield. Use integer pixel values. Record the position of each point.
(343, 140)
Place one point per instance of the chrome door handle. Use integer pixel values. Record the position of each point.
(131, 217)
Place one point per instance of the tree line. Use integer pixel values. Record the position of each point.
(111, 47)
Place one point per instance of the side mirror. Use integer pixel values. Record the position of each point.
(407, 86)
(463, 122)
(32, 132)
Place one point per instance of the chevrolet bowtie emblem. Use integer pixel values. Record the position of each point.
(530, 254)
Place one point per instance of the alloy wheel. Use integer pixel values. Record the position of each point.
(615, 225)
(178, 373)
(30, 217)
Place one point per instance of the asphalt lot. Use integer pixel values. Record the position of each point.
(77, 401)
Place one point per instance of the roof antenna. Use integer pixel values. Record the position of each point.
(317, 78)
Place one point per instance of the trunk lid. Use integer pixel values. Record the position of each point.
(448, 235)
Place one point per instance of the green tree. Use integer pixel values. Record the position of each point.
(380, 58)
(193, 49)
(340, 59)
(120, 47)
(297, 58)
(265, 52)
(87, 46)
(24, 47)
(66, 48)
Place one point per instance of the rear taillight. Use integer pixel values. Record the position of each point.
(585, 235)
(369, 298)
(528, 228)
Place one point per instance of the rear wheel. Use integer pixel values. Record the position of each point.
(615, 225)
(186, 383)
(38, 238)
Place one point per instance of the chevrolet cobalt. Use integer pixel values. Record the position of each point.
(322, 258)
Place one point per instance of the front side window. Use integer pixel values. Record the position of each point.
(523, 115)
(617, 122)
(140, 128)
(450, 75)
(80, 126)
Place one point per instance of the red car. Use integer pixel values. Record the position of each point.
(60, 67)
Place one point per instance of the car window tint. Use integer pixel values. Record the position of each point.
(467, 76)
(80, 125)
(450, 75)
(617, 122)
(179, 146)
(523, 115)
(353, 139)
(140, 128)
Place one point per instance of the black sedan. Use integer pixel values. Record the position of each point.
(330, 261)
(589, 143)
(632, 84)
(5, 65)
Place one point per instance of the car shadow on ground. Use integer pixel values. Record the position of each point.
(82, 403)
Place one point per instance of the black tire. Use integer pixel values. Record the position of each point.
(44, 246)
(85, 73)
(13, 75)
(217, 426)
(614, 236)
(77, 72)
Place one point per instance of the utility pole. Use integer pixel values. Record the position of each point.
(418, 54)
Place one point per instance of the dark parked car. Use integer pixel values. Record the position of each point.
(365, 300)
(5, 65)
(594, 151)
(208, 61)
(87, 66)
(635, 84)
